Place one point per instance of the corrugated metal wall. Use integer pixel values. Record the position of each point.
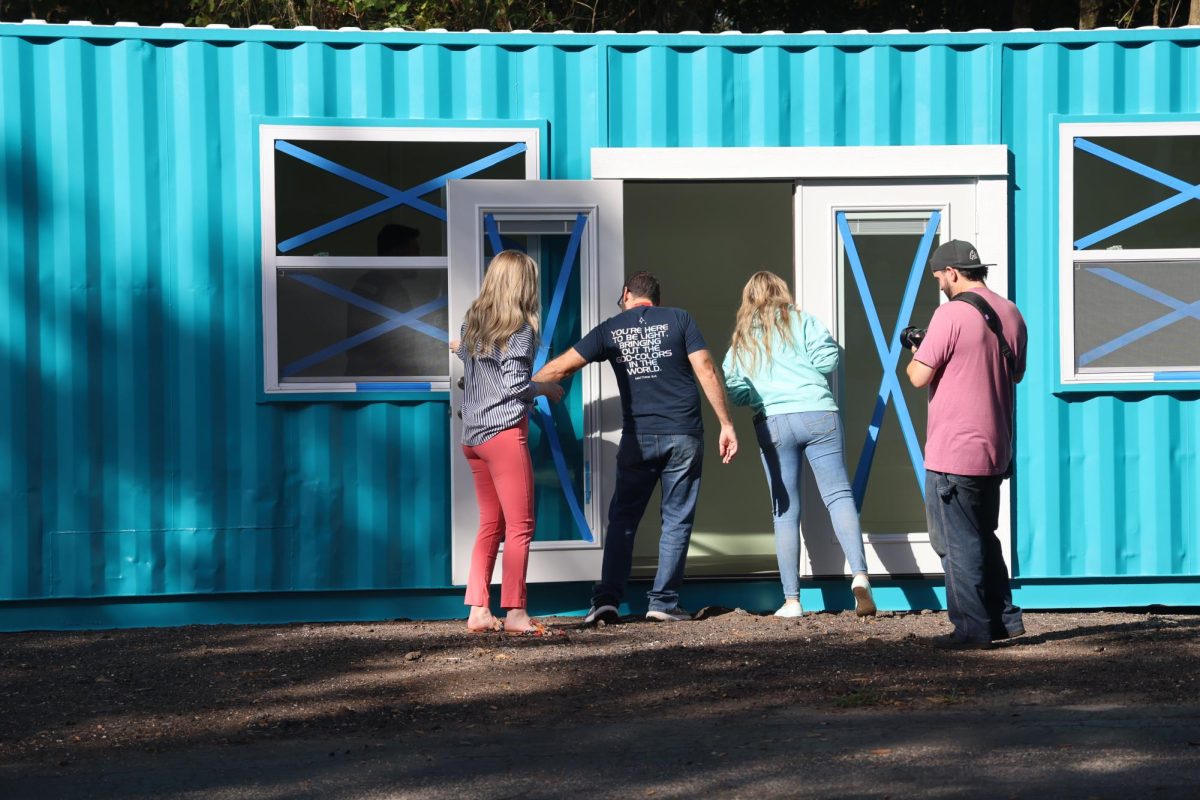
(134, 459)
(829, 95)
(1110, 483)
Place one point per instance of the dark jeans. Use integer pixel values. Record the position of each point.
(963, 512)
(644, 460)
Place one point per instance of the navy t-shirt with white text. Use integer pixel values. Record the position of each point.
(648, 347)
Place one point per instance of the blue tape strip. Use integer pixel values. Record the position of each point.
(494, 238)
(493, 233)
(1130, 164)
(1130, 221)
(1182, 310)
(407, 319)
(560, 290)
(393, 387)
(335, 168)
(370, 305)
(393, 197)
(1187, 191)
(546, 420)
(1177, 376)
(545, 417)
(889, 356)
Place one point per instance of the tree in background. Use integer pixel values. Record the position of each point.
(706, 16)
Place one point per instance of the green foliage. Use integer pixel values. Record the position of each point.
(621, 15)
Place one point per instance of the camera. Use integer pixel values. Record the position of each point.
(911, 336)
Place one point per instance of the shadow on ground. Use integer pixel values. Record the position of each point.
(729, 704)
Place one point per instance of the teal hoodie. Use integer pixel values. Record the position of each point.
(794, 378)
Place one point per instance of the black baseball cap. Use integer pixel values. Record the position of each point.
(956, 253)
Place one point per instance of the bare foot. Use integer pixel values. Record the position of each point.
(481, 620)
(518, 621)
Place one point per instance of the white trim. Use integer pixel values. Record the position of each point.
(351, 262)
(820, 292)
(271, 260)
(810, 163)
(601, 263)
(1068, 256)
(1166, 254)
(350, 133)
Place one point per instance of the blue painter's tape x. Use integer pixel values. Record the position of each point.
(1180, 310)
(394, 320)
(889, 355)
(392, 197)
(545, 417)
(1186, 191)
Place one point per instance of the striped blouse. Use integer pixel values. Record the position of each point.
(497, 392)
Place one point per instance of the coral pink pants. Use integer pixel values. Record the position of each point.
(503, 476)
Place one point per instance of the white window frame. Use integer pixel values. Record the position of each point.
(1068, 256)
(984, 165)
(272, 261)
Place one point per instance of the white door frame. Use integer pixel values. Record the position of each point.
(986, 166)
(601, 255)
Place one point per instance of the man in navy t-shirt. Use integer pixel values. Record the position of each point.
(658, 356)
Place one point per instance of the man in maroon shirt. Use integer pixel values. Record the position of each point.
(971, 358)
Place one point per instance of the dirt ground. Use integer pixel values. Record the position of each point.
(73, 696)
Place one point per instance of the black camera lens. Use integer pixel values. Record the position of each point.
(912, 336)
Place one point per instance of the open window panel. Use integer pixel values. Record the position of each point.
(1129, 228)
(573, 229)
(862, 257)
(354, 251)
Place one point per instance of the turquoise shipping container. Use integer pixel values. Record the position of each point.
(144, 478)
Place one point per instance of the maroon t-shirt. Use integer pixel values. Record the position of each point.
(970, 397)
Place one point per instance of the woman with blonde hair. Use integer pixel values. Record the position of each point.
(499, 338)
(777, 363)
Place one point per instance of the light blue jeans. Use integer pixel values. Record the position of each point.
(783, 441)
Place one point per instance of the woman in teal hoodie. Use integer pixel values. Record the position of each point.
(777, 364)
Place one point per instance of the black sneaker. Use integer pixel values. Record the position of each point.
(602, 613)
(675, 614)
(1020, 631)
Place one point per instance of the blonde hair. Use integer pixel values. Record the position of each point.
(765, 313)
(509, 298)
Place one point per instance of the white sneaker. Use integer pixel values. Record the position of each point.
(675, 614)
(602, 613)
(790, 610)
(864, 602)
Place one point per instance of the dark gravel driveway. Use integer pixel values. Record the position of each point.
(1103, 704)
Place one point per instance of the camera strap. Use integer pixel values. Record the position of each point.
(993, 322)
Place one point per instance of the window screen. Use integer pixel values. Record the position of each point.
(1138, 315)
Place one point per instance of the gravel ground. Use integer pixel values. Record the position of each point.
(74, 699)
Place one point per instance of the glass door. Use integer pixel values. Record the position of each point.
(573, 230)
(862, 254)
